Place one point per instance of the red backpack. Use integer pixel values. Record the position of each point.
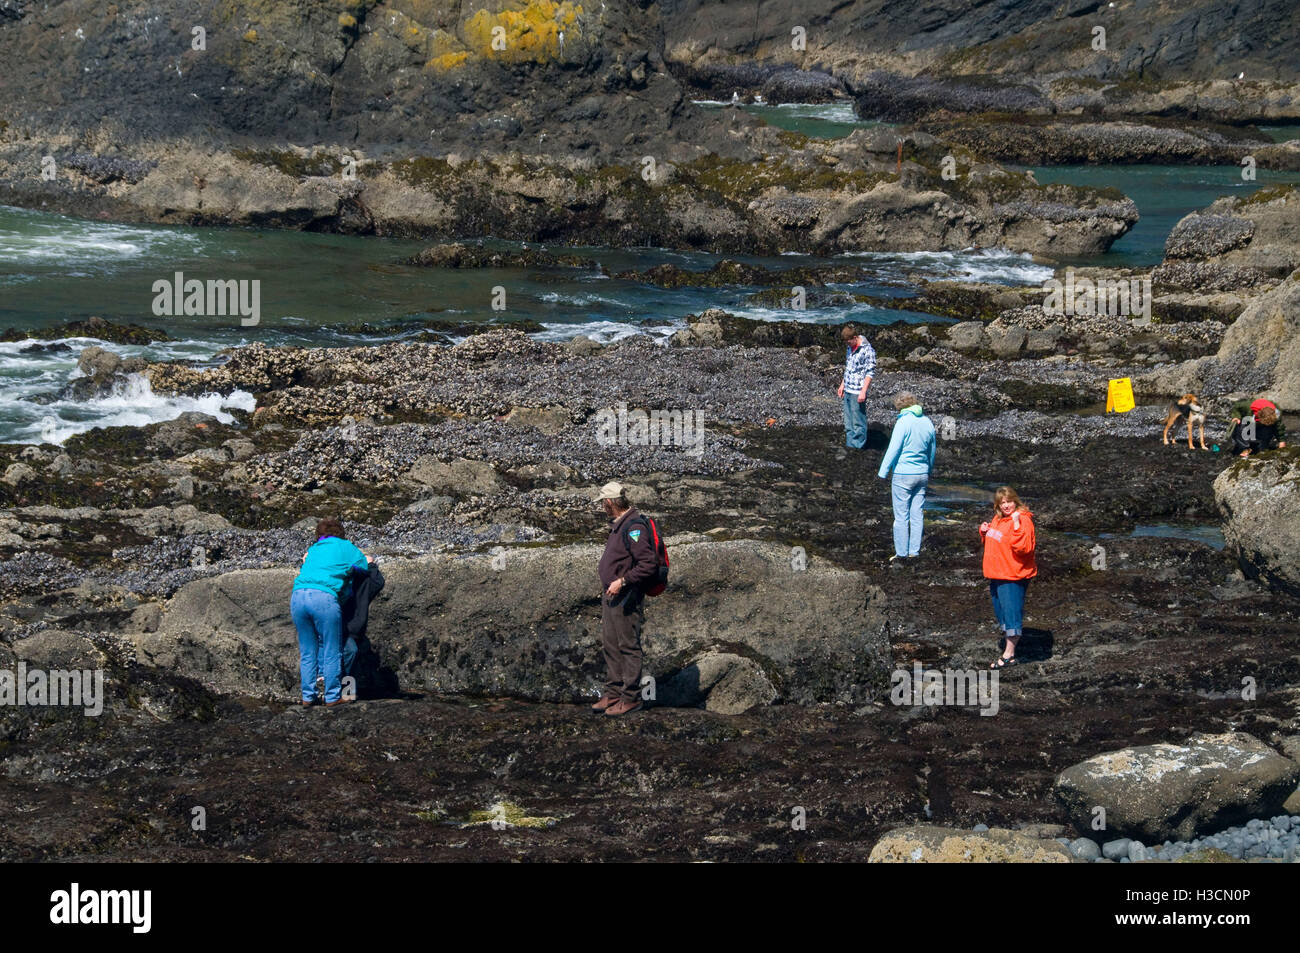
(660, 581)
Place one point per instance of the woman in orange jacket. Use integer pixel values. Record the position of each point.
(1009, 565)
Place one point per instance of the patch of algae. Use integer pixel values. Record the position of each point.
(1264, 196)
(742, 181)
(1208, 855)
(508, 814)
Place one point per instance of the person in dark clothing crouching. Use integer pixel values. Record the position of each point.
(628, 564)
(1257, 426)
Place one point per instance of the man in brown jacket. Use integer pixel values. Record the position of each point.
(627, 565)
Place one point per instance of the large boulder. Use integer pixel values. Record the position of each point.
(182, 520)
(926, 844)
(723, 682)
(57, 649)
(1261, 230)
(1261, 515)
(1267, 338)
(525, 622)
(1259, 354)
(1174, 792)
(1006, 342)
(97, 362)
(967, 336)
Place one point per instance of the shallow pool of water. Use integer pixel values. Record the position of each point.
(1208, 534)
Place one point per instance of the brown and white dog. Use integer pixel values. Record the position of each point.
(1189, 405)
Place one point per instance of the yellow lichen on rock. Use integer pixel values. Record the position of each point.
(445, 51)
(528, 34)
(250, 36)
(447, 61)
(347, 21)
(442, 42)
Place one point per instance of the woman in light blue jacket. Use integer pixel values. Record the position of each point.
(911, 457)
(322, 584)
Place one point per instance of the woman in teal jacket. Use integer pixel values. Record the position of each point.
(911, 456)
(316, 606)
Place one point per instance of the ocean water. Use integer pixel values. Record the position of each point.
(56, 268)
(1281, 132)
(1163, 194)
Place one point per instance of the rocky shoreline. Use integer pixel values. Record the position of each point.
(162, 553)
(1159, 679)
(786, 193)
(390, 120)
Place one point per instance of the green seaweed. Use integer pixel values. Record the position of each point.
(292, 164)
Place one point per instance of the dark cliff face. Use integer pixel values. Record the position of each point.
(1160, 41)
(579, 77)
(585, 79)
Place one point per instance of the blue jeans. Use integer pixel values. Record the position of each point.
(855, 421)
(908, 490)
(319, 620)
(1009, 603)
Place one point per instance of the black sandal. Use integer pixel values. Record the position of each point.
(1003, 662)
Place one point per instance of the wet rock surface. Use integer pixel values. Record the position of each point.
(1258, 498)
(1158, 792)
(1055, 141)
(1122, 656)
(94, 327)
(1260, 231)
(482, 625)
(470, 256)
(939, 845)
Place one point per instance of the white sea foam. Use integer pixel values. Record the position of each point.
(41, 238)
(838, 314)
(840, 111)
(985, 264)
(131, 403)
(832, 315)
(607, 332)
(582, 300)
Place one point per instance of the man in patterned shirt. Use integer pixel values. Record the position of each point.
(859, 365)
